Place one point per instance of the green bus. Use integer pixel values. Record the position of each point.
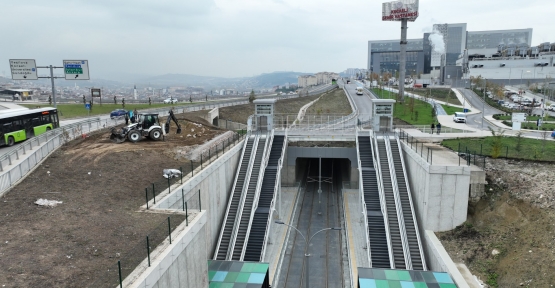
(24, 124)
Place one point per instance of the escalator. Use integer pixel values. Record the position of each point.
(389, 195)
(379, 251)
(247, 206)
(235, 199)
(255, 243)
(413, 239)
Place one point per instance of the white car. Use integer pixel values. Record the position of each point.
(170, 100)
(459, 117)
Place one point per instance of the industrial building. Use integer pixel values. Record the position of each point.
(450, 54)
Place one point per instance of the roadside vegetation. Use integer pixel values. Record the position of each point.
(333, 103)
(412, 111)
(450, 110)
(440, 94)
(513, 147)
(66, 111)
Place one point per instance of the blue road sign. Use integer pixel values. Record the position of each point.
(88, 106)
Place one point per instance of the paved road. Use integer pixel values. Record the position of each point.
(475, 120)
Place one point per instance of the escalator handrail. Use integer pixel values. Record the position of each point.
(243, 196)
(398, 206)
(263, 165)
(377, 165)
(412, 206)
(276, 191)
(246, 139)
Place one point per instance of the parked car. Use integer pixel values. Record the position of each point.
(551, 107)
(170, 100)
(459, 117)
(117, 113)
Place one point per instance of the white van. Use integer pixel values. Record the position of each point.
(459, 117)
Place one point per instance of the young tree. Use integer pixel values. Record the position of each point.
(497, 142)
(252, 96)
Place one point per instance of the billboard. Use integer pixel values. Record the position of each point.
(95, 92)
(397, 10)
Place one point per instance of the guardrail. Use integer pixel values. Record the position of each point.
(37, 148)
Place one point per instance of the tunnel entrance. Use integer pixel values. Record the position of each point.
(318, 208)
(310, 167)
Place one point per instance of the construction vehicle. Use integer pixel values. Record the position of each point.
(147, 125)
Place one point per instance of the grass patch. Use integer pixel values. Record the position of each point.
(421, 113)
(450, 110)
(511, 147)
(335, 102)
(528, 118)
(440, 94)
(78, 110)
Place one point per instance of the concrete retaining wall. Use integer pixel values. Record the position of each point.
(215, 183)
(181, 264)
(438, 259)
(439, 193)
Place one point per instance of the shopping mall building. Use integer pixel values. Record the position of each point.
(505, 56)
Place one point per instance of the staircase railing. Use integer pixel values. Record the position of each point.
(232, 192)
(398, 206)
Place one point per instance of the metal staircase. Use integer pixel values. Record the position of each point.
(411, 226)
(234, 200)
(246, 207)
(392, 212)
(377, 235)
(270, 183)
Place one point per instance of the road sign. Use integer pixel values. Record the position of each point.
(76, 69)
(88, 106)
(23, 69)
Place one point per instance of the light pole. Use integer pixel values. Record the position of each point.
(306, 254)
(484, 102)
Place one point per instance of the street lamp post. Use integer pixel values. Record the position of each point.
(484, 102)
(306, 254)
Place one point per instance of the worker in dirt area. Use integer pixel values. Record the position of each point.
(149, 101)
(131, 116)
(126, 119)
(136, 113)
(123, 103)
(115, 102)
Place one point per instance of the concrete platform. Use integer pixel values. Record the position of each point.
(356, 230)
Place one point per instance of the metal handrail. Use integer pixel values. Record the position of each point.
(398, 206)
(378, 168)
(422, 256)
(361, 189)
(242, 200)
(263, 164)
(231, 196)
(272, 204)
(50, 133)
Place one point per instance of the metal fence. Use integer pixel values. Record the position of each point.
(206, 157)
(142, 252)
(314, 122)
(17, 163)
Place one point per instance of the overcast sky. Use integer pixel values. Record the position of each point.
(233, 38)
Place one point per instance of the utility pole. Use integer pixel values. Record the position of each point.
(51, 81)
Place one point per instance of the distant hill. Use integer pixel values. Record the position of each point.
(266, 80)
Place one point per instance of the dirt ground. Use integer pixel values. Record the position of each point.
(508, 240)
(101, 185)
